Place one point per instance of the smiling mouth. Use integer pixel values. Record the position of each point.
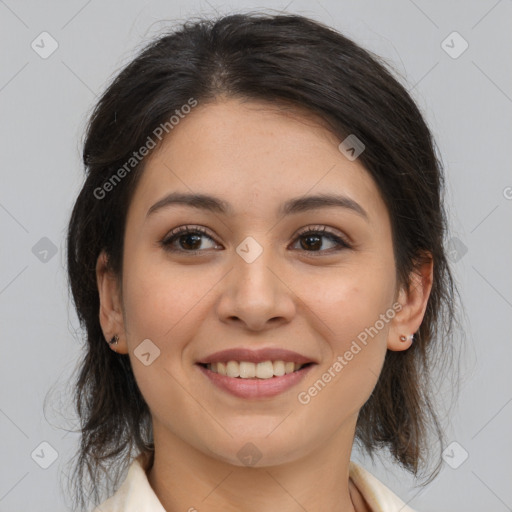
(249, 370)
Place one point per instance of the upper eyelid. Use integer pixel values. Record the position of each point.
(322, 229)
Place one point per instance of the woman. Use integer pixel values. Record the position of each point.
(257, 258)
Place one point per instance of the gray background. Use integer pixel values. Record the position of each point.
(44, 103)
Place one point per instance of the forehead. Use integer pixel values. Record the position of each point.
(253, 153)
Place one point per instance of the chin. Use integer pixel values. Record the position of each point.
(257, 451)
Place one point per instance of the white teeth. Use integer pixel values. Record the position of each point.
(279, 368)
(289, 367)
(232, 369)
(221, 368)
(247, 370)
(265, 370)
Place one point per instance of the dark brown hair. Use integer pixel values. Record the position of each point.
(282, 59)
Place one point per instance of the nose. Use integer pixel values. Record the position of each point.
(256, 294)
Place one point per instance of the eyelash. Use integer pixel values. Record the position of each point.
(322, 231)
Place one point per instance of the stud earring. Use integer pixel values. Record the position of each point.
(405, 338)
(114, 340)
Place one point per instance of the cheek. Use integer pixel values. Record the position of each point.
(351, 311)
(162, 304)
(350, 301)
(162, 300)
(354, 306)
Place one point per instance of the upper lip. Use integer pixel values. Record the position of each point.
(256, 356)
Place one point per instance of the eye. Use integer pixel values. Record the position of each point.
(188, 237)
(312, 238)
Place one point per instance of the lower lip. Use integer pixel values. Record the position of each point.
(256, 388)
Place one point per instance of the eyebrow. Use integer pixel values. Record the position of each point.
(292, 206)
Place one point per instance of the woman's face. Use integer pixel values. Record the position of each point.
(253, 280)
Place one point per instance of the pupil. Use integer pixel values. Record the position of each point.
(314, 237)
(188, 237)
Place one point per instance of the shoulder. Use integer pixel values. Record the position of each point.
(379, 497)
(135, 493)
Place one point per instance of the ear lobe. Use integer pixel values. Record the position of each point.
(110, 313)
(414, 302)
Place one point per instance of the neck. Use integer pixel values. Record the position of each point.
(186, 479)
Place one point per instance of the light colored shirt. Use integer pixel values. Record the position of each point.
(136, 494)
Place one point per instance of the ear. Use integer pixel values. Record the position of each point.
(111, 313)
(413, 299)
